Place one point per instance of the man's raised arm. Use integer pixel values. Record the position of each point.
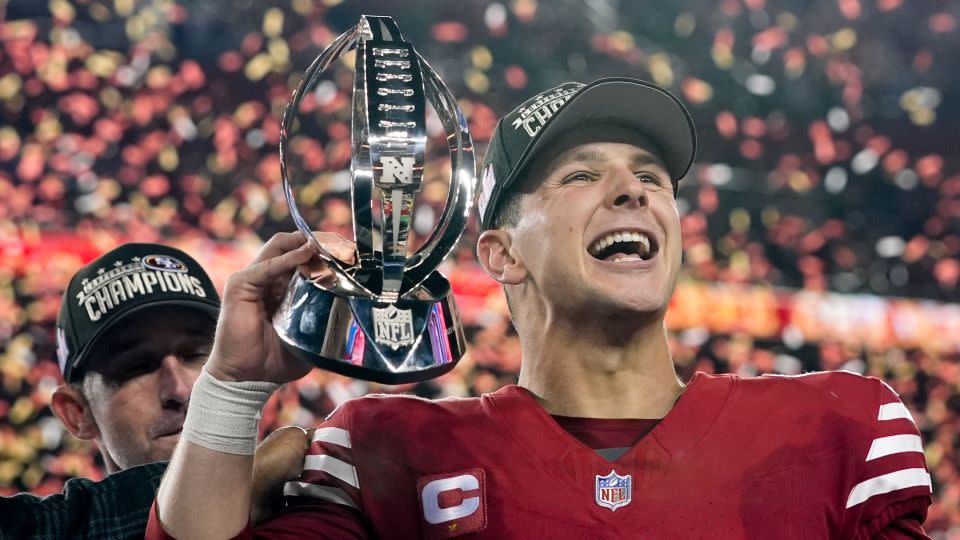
(206, 492)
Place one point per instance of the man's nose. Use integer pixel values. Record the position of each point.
(626, 190)
(176, 382)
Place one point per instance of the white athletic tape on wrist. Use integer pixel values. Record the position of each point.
(224, 416)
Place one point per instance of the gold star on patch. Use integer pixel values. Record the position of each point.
(452, 527)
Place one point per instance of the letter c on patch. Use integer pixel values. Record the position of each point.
(431, 498)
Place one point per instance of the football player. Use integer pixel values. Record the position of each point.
(600, 439)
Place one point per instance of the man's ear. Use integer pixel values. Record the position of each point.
(494, 252)
(73, 409)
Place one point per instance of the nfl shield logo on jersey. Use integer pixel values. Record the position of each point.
(613, 490)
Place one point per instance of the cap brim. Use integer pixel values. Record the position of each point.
(632, 103)
(81, 362)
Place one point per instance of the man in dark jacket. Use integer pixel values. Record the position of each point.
(134, 328)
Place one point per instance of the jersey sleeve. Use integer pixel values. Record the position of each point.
(324, 500)
(329, 469)
(310, 517)
(305, 520)
(891, 481)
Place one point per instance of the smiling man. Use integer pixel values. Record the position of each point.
(600, 439)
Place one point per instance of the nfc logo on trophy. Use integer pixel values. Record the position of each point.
(397, 170)
(393, 327)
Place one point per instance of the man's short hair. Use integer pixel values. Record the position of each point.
(507, 212)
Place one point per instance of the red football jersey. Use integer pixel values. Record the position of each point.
(822, 455)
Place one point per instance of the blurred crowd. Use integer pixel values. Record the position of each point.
(827, 162)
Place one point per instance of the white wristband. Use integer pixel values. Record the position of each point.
(224, 416)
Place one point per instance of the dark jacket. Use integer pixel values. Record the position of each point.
(116, 507)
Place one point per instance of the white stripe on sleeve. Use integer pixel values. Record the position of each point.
(334, 467)
(327, 493)
(894, 444)
(332, 435)
(893, 411)
(886, 483)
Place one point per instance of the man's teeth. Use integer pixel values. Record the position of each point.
(624, 236)
(628, 258)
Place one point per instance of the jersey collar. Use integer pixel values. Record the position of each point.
(676, 436)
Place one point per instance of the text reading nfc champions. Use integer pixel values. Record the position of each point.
(125, 282)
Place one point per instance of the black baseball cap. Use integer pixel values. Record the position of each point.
(531, 127)
(119, 285)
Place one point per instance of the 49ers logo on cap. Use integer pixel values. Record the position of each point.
(164, 263)
(453, 504)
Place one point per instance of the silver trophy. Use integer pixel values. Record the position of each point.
(389, 318)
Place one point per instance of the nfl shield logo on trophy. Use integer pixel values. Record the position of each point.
(613, 490)
(393, 327)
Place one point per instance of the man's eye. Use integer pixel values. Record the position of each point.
(195, 356)
(648, 178)
(140, 366)
(578, 177)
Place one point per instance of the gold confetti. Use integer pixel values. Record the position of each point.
(10, 85)
(684, 24)
(99, 12)
(258, 67)
(103, 64)
(21, 411)
(476, 81)
(279, 52)
(739, 220)
(168, 159)
(843, 39)
(922, 116)
(481, 58)
(62, 10)
(722, 56)
(302, 7)
(124, 8)
(273, 22)
(660, 70)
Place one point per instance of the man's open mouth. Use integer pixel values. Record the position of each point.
(624, 246)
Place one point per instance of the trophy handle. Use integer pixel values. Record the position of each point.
(462, 182)
(361, 169)
(344, 42)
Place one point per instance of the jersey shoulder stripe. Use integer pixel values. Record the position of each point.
(886, 483)
(329, 472)
(895, 459)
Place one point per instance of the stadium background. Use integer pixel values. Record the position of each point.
(820, 220)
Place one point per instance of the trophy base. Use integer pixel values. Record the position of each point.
(410, 340)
